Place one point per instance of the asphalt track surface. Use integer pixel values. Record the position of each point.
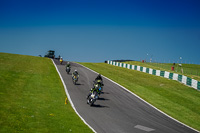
(116, 111)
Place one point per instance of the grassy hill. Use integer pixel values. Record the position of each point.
(33, 97)
(175, 99)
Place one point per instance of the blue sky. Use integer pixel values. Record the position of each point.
(99, 30)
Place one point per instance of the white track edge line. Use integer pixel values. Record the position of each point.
(142, 100)
(69, 98)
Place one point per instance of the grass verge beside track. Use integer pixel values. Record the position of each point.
(189, 70)
(177, 100)
(33, 97)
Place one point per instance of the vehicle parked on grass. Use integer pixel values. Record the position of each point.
(50, 54)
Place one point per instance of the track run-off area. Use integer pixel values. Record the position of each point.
(117, 110)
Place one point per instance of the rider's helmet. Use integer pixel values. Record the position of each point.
(99, 76)
(75, 71)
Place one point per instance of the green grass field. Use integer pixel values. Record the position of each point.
(189, 70)
(33, 97)
(175, 99)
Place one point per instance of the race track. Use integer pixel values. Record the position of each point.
(117, 111)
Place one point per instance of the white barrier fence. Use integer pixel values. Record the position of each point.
(174, 76)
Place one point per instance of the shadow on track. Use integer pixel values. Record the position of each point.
(70, 74)
(79, 84)
(99, 106)
(103, 99)
(105, 93)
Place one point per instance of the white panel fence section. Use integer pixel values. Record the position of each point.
(174, 76)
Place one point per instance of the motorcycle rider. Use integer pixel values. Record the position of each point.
(75, 73)
(68, 65)
(99, 78)
(95, 87)
(68, 68)
(61, 60)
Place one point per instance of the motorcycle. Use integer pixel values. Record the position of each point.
(92, 97)
(61, 61)
(68, 70)
(74, 79)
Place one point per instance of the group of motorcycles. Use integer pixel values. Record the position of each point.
(74, 77)
(95, 91)
(68, 69)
